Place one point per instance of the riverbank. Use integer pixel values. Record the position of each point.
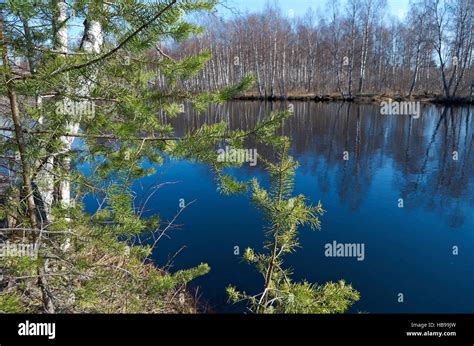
(365, 98)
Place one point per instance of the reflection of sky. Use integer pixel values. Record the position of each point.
(407, 250)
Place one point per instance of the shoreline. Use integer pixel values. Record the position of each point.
(363, 99)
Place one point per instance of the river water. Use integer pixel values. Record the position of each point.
(423, 250)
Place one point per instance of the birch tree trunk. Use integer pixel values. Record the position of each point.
(365, 46)
(353, 14)
(45, 173)
(91, 43)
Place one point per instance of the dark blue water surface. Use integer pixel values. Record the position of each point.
(408, 250)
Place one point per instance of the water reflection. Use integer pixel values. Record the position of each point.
(390, 157)
(430, 158)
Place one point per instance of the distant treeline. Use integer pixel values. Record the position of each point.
(354, 47)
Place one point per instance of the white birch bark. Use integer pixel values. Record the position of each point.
(44, 176)
(91, 43)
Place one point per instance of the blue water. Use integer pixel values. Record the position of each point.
(408, 250)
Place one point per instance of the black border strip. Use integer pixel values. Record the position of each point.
(356, 329)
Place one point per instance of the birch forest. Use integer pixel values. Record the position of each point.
(345, 49)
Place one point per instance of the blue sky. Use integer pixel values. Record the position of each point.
(395, 7)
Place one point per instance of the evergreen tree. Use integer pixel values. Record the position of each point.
(285, 214)
(92, 100)
(98, 89)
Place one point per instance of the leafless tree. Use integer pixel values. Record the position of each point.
(427, 52)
